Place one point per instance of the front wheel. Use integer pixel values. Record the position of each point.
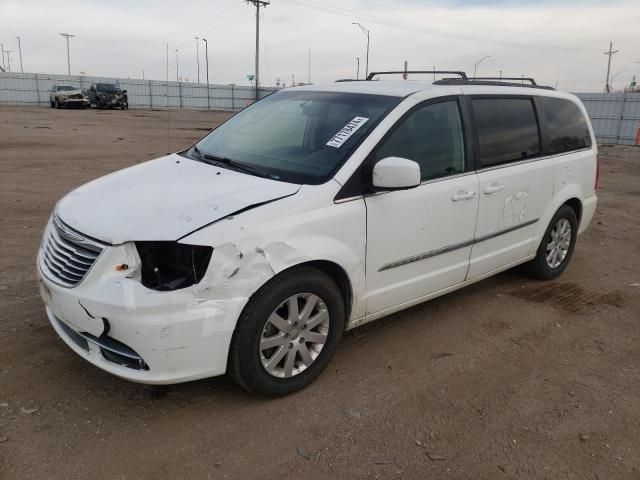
(557, 245)
(287, 333)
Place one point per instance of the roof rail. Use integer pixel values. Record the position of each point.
(496, 83)
(462, 75)
(500, 79)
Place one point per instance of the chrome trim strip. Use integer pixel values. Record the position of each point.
(349, 199)
(456, 246)
(423, 256)
(531, 160)
(506, 230)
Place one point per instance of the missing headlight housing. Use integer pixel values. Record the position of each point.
(171, 266)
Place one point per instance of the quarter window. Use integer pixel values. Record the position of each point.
(568, 129)
(507, 130)
(432, 137)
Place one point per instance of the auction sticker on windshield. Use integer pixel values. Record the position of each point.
(346, 131)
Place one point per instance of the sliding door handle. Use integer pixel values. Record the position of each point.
(462, 195)
(493, 188)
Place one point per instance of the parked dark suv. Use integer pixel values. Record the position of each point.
(107, 95)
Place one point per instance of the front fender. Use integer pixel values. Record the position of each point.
(255, 246)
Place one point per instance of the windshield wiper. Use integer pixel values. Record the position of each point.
(233, 164)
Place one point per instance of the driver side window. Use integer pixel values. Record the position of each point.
(432, 136)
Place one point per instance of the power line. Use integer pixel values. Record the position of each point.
(429, 30)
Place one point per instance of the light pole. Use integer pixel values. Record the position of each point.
(206, 56)
(177, 67)
(2, 53)
(366, 32)
(358, 68)
(198, 57)
(475, 65)
(67, 36)
(20, 53)
(614, 76)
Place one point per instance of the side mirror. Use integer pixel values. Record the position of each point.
(396, 173)
(124, 91)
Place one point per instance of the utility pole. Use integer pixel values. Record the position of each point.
(610, 53)
(357, 68)
(198, 57)
(206, 56)
(67, 36)
(2, 51)
(20, 53)
(309, 73)
(366, 32)
(257, 4)
(405, 75)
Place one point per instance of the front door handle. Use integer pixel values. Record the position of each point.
(462, 195)
(493, 188)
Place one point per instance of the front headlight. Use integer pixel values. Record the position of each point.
(172, 265)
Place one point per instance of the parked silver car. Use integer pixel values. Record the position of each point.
(67, 96)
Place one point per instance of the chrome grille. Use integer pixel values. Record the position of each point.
(66, 255)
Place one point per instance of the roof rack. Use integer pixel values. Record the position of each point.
(500, 79)
(462, 75)
(462, 80)
(497, 83)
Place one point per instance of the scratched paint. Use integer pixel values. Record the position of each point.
(514, 208)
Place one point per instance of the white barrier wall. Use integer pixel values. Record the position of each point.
(615, 116)
(33, 89)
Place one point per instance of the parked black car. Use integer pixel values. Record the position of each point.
(107, 95)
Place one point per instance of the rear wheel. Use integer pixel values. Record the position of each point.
(556, 248)
(287, 333)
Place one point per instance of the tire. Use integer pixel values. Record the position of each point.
(249, 358)
(541, 267)
(57, 103)
(51, 104)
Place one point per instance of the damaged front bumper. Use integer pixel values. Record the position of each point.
(146, 336)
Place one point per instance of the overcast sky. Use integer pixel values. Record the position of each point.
(553, 41)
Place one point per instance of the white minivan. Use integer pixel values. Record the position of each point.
(312, 211)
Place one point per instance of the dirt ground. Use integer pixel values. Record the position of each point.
(509, 378)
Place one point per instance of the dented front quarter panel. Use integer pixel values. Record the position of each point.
(253, 247)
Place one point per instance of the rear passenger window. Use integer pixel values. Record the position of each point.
(568, 129)
(507, 130)
(431, 136)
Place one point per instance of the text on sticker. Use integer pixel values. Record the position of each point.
(346, 131)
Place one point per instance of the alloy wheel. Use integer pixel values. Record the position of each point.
(294, 335)
(558, 243)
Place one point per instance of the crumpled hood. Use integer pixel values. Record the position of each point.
(163, 199)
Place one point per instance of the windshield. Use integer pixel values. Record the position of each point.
(297, 136)
(108, 87)
(66, 88)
